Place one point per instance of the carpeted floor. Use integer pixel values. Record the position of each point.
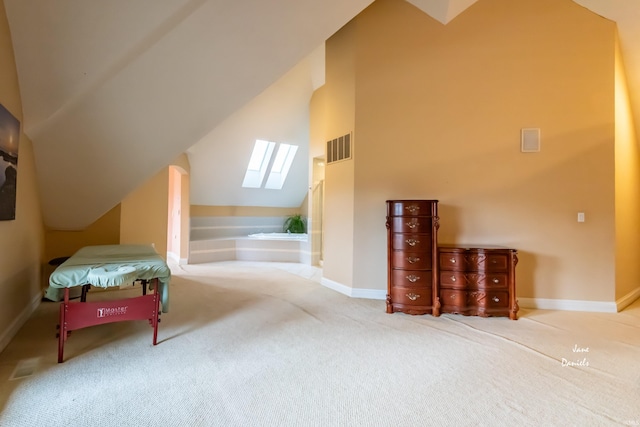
(259, 344)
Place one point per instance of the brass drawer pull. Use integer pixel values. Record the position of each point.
(496, 280)
(495, 299)
(412, 278)
(452, 296)
(452, 260)
(413, 208)
(413, 260)
(453, 278)
(413, 296)
(413, 224)
(412, 242)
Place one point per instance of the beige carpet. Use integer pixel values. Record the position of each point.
(252, 344)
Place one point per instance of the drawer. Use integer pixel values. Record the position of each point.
(495, 299)
(488, 262)
(420, 224)
(459, 279)
(495, 280)
(411, 296)
(411, 278)
(411, 260)
(411, 207)
(488, 299)
(484, 299)
(412, 242)
(453, 298)
(454, 279)
(451, 261)
(473, 261)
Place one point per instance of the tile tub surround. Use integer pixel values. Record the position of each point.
(227, 238)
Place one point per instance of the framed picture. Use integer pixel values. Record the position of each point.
(9, 138)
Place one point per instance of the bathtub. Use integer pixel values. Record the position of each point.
(279, 236)
(276, 247)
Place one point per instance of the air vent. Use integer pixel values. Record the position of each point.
(530, 140)
(339, 149)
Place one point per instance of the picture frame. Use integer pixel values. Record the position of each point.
(9, 141)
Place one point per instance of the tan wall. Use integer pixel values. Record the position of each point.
(61, 243)
(339, 105)
(203, 210)
(144, 216)
(438, 114)
(21, 240)
(627, 198)
(104, 231)
(144, 213)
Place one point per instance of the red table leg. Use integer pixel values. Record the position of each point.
(62, 332)
(78, 315)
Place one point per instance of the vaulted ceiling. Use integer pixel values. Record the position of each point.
(113, 91)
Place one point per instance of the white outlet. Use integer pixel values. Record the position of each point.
(580, 216)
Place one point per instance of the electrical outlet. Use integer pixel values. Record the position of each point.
(580, 216)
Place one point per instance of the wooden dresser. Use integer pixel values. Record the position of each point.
(412, 227)
(478, 281)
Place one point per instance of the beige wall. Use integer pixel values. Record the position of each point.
(144, 213)
(627, 205)
(144, 216)
(61, 243)
(21, 240)
(203, 210)
(438, 114)
(339, 113)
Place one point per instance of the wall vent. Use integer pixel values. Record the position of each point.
(339, 149)
(530, 140)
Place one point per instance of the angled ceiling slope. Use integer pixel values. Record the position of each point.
(114, 91)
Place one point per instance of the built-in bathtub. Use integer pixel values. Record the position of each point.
(273, 247)
(279, 236)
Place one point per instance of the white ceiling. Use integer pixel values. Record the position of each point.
(115, 90)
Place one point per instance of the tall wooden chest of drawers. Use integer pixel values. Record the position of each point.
(478, 281)
(412, 227)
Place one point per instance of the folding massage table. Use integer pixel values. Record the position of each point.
(110, 266)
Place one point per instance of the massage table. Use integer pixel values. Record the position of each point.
(110, 266)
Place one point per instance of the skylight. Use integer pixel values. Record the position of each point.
(281, 166)
(258, 163)
(261, 161)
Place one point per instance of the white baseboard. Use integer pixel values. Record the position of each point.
(628, 299)
(176, 258)
(568, 305)
(354, 293)
(534, 303)
(19, 321)
(339, 287)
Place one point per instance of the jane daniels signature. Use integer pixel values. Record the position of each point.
(580, 351)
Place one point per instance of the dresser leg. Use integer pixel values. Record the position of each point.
(389, 305)
(513, 313)
(436, 307)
